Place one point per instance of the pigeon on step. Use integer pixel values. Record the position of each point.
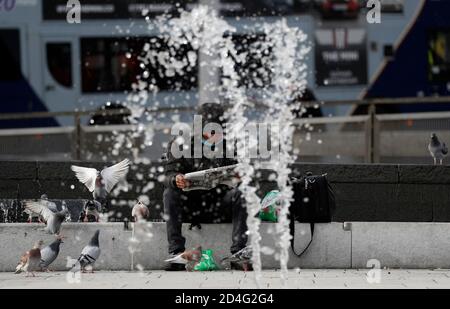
(101, 183)
(189, 258)
(50, 253)
(140, 212)
(91, 212)
(53, 220)
(29, 262)
(89, 255)
(240, 260)
(437, 149)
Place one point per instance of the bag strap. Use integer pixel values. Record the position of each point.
(292, 228)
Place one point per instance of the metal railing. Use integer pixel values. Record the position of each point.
(365, 138)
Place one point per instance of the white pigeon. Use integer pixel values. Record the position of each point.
(31, 215)
(190, 258)
(98, 182)
(140, 212)
(89, 255)
(53, 220)
(64, 206)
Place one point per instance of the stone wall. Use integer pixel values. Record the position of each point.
(368, 193)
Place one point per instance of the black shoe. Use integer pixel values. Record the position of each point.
(175, 267)
(244, 265)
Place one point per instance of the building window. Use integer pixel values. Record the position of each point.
(113, 65)
(10, 55)
(59, 62)
(439, 57)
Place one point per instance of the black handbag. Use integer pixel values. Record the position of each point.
(313, 202)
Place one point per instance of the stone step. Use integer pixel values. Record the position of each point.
(335, 245)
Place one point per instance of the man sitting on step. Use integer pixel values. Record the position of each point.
(219, 204)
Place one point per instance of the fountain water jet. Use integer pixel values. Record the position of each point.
(288, 69)
(206, 32)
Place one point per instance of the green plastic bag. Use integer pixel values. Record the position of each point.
(207, 262)
(269, 207)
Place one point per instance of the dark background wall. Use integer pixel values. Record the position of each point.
(402, 193)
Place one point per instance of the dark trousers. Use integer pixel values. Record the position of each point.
(215, 206)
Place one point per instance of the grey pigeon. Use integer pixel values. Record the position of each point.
(50, 253)
(437, 149)
(44, 200)
(101, 183)
(52, 219)
(50, 205)
(89, 255)
(240, 260)
(29, 262)
(243, 254)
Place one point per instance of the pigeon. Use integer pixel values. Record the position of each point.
(437, 149)
(53, 220)
(91, 212)
(29, 262)
(50, 205)
(189, 258)
(44, 200)
(64, 207)
(101, 183)
(50, 253)
(140, 212)
(240, 260)
(32, 217)
(243, 254)
(88, 255)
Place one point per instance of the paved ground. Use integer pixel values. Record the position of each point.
(308, 279)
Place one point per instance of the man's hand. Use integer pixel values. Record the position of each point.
(181, 182)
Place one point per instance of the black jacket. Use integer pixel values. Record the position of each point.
(175, 166)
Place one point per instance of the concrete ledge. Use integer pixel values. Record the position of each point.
(424, 174)
(385, 203)
(331, 247)
(146, 246)
(18, 170)
(16, 239)
(401, 245)
(395, 245)
(351, 173)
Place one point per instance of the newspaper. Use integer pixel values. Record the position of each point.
(211, 178)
